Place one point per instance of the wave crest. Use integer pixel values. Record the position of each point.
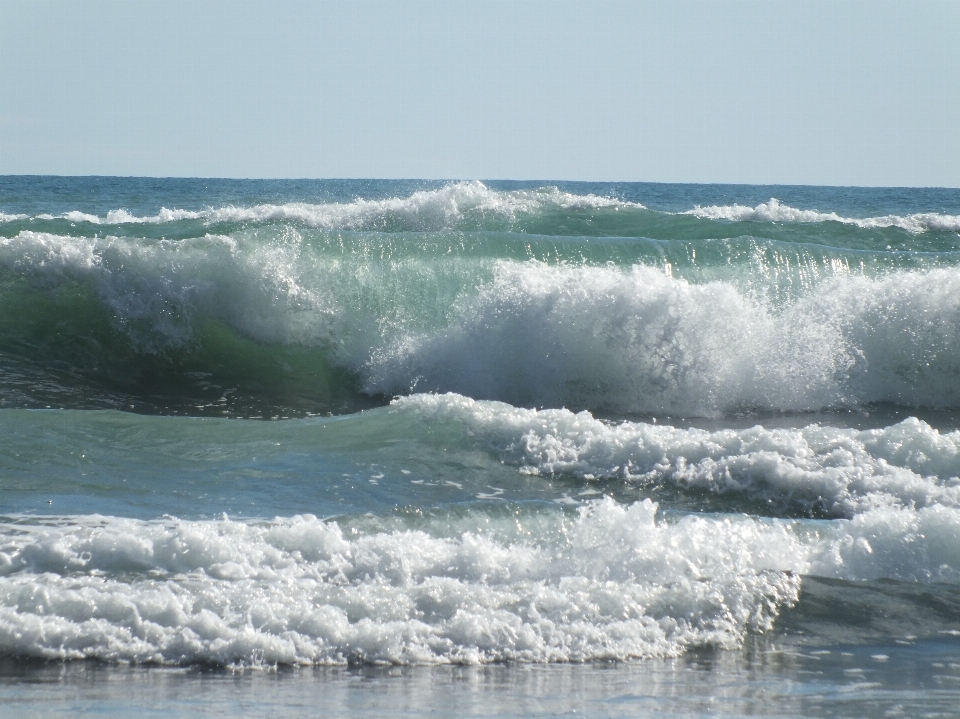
(638, 340)
(774, 211)
(424, 210)
(842, 472)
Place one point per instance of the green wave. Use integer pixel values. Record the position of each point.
(61, 347)
(275, 320)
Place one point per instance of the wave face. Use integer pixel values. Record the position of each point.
(523, 422)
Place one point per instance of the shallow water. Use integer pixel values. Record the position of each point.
(915, 679)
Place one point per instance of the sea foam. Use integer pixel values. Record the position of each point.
(631, 339)
(842, 472)
(774, 211)
(613, 582)
(609, 582)
(421, 211)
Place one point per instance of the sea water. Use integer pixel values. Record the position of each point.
(499, 448)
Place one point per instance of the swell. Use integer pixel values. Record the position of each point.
(463, 205)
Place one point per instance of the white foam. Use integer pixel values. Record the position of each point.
(168, 285)
(624, 340)
(839, 471)
(4, 217)
(639, 340)
(423, 210)
(611, 583)
(77, 216)
(774, 211)
(893, 543)
(634, 340)
(122, 216)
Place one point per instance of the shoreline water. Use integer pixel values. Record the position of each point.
(913, 679)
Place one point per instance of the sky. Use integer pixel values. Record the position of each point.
(760, 92)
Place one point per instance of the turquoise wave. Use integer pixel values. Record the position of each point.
(538, 296)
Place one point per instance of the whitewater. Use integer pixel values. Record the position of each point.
(399, 426)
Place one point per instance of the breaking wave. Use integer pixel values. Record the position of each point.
(842, 472)
(633, 339)
(774, 211)
(638, 340)
(421, 211)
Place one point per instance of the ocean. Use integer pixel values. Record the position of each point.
(389, 448)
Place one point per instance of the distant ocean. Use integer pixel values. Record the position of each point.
(482, 448)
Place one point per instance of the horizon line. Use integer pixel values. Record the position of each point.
(472, 179)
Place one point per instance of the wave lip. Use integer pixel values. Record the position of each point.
(842, 472)
(774, 211)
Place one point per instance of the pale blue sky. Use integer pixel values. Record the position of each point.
(864, 93)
